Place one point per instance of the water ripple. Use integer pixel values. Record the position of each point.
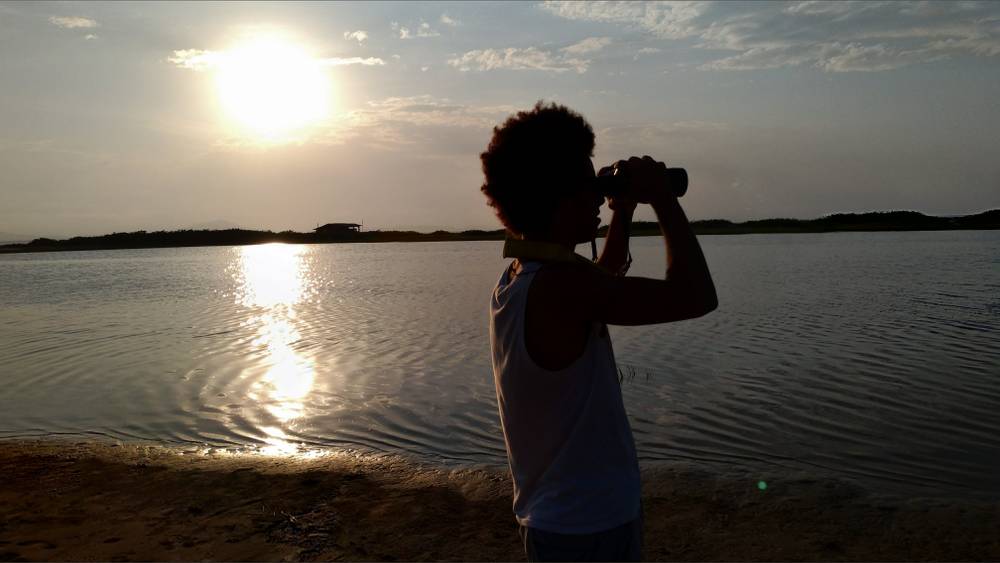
(840, 354)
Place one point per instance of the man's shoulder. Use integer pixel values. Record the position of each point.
(567, 278)
(559, 287)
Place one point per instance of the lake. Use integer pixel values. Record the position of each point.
(866, 356)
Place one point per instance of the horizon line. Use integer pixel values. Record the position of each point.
(496, 228)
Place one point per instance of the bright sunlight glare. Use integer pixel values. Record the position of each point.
(272, 88)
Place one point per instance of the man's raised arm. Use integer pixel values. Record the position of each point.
(687, 290)
(686, 267)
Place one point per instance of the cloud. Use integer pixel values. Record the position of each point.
(360, 35)
(759, 58)
(646, 51)
(196, 59)
(825, 8)
(451, 22)
(848, 36)
(532, 58)
(588, 45)
(203, 60)
(512, 58)
(425, 30)
(404, 32)
(406, 121)
(73, 22)
(673, 20)
(422, 30)
(858, 57)
(830, 57)
(90, 36)
(338, 61)
(428, 110)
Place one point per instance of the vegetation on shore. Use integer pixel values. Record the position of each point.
(874, 221)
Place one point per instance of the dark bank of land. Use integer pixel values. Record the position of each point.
(874, 221)
(99, 502)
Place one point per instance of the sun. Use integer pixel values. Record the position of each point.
(271, 88)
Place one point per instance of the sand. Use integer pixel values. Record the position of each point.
(93, 501)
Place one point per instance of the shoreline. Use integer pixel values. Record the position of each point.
(83, 500)
(342, 233)
(22, 248)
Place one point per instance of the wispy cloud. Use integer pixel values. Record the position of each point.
(449, 21)
(405, 121)
(869, 58)
(512, 58)
(588, 45)
(422, 30)
(425, 30)
(646, 51)
(825, 8)
(428, 110)
(404, 32)
(73, 22)
(203, 60)
(831, 36)
(674, 20)
(360, 35)
(657, 133)
(338, 61)
(196, 59)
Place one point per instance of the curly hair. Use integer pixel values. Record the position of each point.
(528, 163)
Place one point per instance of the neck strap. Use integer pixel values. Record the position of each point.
(542, 252)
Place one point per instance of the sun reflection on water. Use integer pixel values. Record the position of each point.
(273, 275)
(273, 279)
(290, 376)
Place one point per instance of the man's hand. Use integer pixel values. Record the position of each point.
(622, 203)
(647, 178)
(687, 290)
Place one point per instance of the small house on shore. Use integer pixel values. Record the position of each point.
(338, 229)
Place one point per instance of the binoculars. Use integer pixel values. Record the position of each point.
(612, 181)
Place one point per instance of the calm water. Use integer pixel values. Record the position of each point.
(872, 356)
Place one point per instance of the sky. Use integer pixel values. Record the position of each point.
(127, 116)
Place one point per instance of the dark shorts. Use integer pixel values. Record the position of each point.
(623, 543)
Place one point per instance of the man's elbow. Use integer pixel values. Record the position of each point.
(706, 306)
(712, 303)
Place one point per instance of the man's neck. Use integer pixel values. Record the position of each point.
(539, 250)
(552, 238)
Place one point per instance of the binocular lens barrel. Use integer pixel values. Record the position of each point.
(611, 185)
(677, 181)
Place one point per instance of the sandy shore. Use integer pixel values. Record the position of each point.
(86, 501)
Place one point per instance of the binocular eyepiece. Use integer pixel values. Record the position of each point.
(612, 181)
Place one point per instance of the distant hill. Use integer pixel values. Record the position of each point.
(875, 221)
(215, 225)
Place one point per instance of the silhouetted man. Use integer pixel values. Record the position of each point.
(571, 452)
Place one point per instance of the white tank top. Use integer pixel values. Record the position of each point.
(571, 452)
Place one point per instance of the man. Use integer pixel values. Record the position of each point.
(571, 452)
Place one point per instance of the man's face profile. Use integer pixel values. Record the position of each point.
(579, 210)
